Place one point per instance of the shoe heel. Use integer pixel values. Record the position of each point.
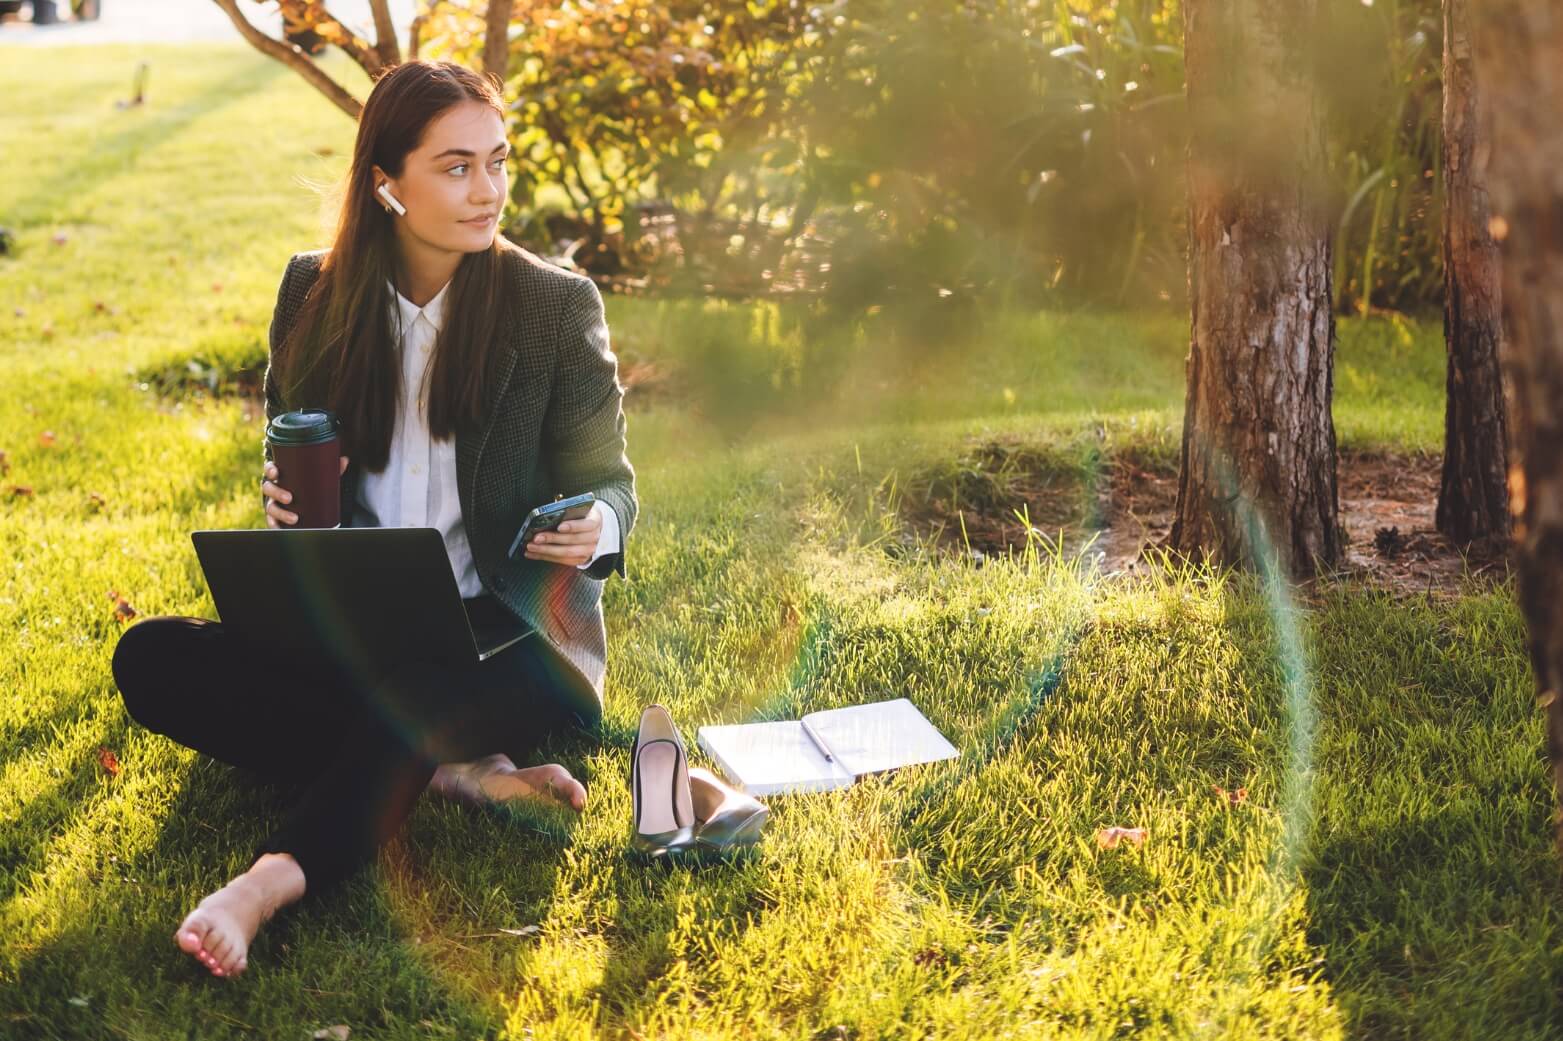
(726, 819)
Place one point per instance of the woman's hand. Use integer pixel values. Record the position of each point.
(572, 543)
(276, 516)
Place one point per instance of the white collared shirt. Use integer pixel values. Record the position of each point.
(417, 489)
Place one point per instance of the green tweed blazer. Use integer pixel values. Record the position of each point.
(554, 425)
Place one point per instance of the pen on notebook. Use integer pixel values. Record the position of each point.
(815, 738)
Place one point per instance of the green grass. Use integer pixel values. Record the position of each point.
(1388, 876)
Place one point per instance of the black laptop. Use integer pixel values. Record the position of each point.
(370, 597)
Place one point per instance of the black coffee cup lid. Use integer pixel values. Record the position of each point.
(305, 426)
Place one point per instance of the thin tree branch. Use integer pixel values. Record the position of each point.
(355, 46)
(385, 34)
(415, 30)
(294, 57)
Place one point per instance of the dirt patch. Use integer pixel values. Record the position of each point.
(1387, 505)
(1115, 508)
(984, 502)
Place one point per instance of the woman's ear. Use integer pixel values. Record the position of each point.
(383, 193)
(391, 202)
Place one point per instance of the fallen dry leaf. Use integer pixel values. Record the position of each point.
(333, 1033)
(1109, 838)
(5, 463)
(1233, 797)
(122, 609)
(46, 438)
(96, 501)
(18, 490)
(217, 287)
(525, 930)
(108, 760)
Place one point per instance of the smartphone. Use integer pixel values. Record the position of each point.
(549, 516)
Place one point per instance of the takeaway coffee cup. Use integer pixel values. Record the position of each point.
(306, 448)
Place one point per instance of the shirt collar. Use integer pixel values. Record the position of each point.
(434, 310)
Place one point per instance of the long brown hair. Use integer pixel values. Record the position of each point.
(341, 351)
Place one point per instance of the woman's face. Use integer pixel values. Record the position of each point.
(456, 173)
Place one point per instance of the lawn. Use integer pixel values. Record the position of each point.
(1386, 872)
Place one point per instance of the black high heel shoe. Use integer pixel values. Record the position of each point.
(663, 814)
(726, 819)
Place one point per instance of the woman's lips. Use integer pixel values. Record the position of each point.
(480, 221)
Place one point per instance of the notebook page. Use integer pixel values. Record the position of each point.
(770, 758)
(880, 736)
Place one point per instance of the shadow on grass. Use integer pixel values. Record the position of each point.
(1432, 885)
(40, 815)
(390, 946)
(1423, 937)
(77, 178)
(722, 900)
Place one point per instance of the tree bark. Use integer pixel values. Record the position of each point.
(1519, 45)
(1473, 498)
(496, 40)
(1257, 485)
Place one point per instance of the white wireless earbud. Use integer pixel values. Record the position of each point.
(384, 191)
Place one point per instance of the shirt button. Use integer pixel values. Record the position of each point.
(417, 468)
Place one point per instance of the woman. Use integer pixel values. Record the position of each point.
(474, 382)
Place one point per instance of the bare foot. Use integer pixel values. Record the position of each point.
(218, 932)
(496, 779)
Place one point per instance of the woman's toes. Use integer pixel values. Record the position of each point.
(566, 787)
(189, 937)
(568, 781)
(193, 938)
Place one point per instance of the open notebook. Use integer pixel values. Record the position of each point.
(824, 750)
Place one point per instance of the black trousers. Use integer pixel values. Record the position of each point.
(363, 747)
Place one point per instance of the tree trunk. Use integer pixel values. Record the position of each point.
(496, 41)
(1520, 66)
(1473, 499)
(1257, 484)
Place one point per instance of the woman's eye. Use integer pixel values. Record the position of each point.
(463, 166)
